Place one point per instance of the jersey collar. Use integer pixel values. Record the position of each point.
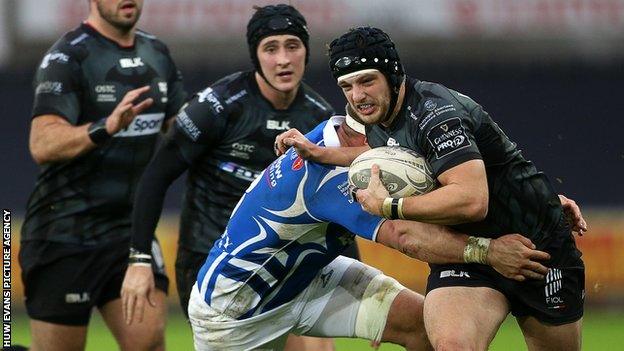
(330, 137)
(88, 28)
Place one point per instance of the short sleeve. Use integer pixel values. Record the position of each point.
(448, 138)
(200, 125)
(57, 86)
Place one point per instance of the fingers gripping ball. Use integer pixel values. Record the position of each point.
(402, 171)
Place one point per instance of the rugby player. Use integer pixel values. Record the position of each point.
(487, 188)
(224, 137)
(102, 93)
(276, 269)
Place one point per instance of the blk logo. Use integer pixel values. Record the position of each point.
(131, 62)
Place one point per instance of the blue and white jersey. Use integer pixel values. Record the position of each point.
(294, 219)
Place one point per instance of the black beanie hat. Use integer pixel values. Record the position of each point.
(275, 20)
(363, 48)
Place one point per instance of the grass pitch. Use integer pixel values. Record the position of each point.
(601, 332)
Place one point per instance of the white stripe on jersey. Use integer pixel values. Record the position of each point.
(333, 173)
(298, 206)
(210, 271)
(290, 232)
(261, 236)
(279, 254)
(255, 268)
(278, 289)
(145, 124)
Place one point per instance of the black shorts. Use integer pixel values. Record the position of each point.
(63, 282)
(187, 266)
(556, 300)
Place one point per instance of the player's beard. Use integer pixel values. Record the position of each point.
(115, 19)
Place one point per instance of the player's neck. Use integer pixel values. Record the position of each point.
(124, 38)
(280, 100)
(397, 107)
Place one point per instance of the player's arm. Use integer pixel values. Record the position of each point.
(513, 255)
(339, 156)
(53, 138)
(462, 196)
(138, 285)
(198, 127)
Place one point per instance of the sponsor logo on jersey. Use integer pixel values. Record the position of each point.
(54, 56)
(392, 142)
(447, 137)
(209, 95)
(241, 150)
(412, 115)
(435, 113)
(348, 191)
(554, 283)
(162, 87)
(146, 124)
(106, 93)
(239, 171)
(105, 88)
(325, 277)
(131, 62)
(277, 125)
(244, 147)
(49, 87)
(235, 97)
(275, 171)
(187, 125)
(454, 274)
(77, 297)
(297, 164)
(430, 105)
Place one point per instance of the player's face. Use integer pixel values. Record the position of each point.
(282, 59)
(369, 96)
(121, 14)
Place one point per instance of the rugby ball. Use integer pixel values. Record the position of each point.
(403, 171)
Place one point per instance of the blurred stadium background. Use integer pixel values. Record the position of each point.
(550, 72)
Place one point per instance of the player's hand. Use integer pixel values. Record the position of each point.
(573, 215)
(126, 110)
(515, 257)
(373, 196)
(137, 289)
(280, 147)
(292, 137)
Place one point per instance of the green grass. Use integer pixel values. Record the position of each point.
(601, 332)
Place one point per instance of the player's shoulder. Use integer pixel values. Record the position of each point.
(317, 134)
(72, 45)
(232, 83)
(233, 88)
(433, 102)
(428, 93)
(222, 94)
(152, 40)
(315, 102)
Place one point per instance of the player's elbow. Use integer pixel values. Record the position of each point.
(406, 242)
(39, 154)
(477, 208)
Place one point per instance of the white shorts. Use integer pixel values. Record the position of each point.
(346, 299)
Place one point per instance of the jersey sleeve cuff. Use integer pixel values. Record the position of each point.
(457, 161)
